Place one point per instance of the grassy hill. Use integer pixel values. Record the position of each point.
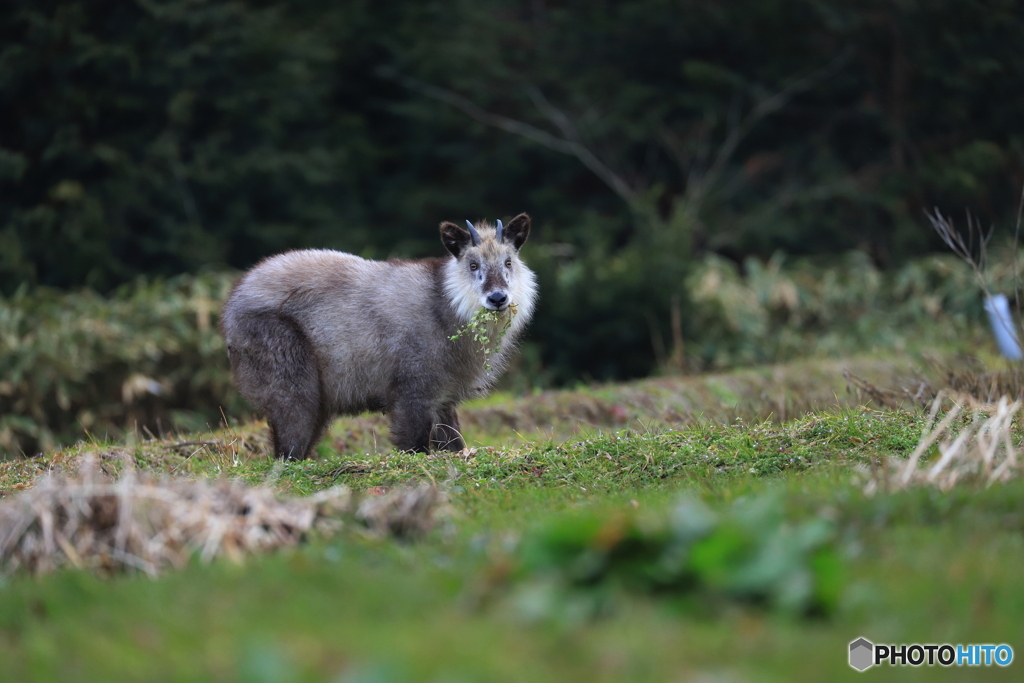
(713, 528)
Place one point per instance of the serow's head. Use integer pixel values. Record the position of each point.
(488, 258)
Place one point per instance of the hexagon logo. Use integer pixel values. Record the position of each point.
(862, 653)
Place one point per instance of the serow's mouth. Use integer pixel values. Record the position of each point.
(491, 307)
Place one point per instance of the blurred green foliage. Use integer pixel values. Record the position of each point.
(572, 566)
(157, 137)
(772, 311)
(149, 356)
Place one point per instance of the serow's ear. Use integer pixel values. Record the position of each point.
(517, 230)
(454, 238)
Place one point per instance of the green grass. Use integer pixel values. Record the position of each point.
(917, 566)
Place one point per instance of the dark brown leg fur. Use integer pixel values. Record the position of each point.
(277, 372)
(294, 439)
(411, 424)
(446, 435)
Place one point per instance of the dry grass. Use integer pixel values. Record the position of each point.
(981, 451)
(963, 375)
(408, 512)
(143, 522)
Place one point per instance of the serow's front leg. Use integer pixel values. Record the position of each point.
(445, 435)
(411, 425)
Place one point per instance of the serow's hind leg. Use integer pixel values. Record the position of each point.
(445, 435)
(295, 428)
(277, 371)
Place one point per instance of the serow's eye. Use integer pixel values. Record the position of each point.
(508, 264)
(474, 266)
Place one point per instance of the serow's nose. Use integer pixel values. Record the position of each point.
(497, 299)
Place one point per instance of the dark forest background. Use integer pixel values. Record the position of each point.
(153, 138)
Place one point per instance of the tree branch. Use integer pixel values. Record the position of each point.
(769, 105)
(570, 144)
(588, 158)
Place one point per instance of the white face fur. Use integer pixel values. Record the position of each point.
(489, 276)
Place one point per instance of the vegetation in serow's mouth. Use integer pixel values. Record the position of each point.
(487, 329)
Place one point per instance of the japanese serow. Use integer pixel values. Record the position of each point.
(316, 333)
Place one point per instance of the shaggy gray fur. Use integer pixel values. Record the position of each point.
(316, 333)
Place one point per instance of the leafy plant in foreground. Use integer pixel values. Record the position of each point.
(747, 554)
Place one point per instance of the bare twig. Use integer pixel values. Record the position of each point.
(1006, 335)
(571, 142)
(571, 146)
(964, 249)
(739, 129)
(586, 157)
(505, 123)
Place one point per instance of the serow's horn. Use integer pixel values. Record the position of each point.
(474, 234)
(500, 228)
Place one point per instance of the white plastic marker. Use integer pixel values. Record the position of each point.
(998, 309)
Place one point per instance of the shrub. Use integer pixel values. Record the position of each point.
(748, 554)
(774, 311)
(149, 356)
